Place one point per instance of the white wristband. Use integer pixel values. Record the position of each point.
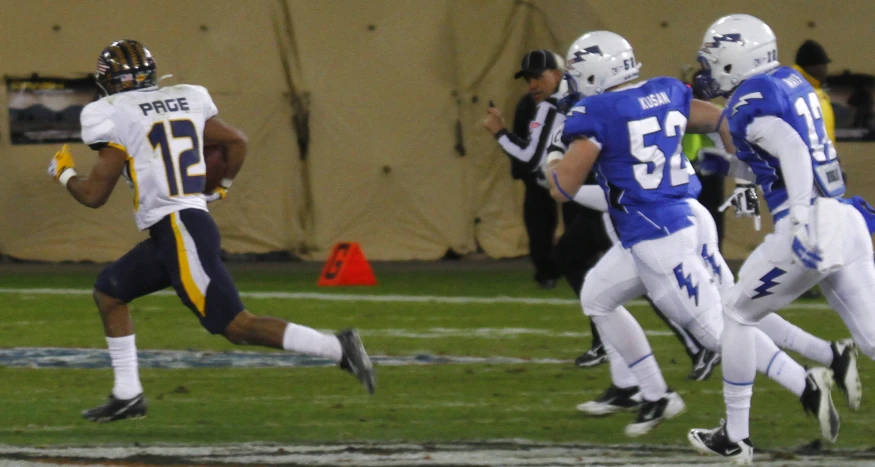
(66, 175)
(226, 183)
(554, 156)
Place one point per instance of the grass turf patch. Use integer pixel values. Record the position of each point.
(413, 403)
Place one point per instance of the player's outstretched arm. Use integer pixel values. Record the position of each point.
(705, 118)
(94, 190)
(216, 131)
(566, 175)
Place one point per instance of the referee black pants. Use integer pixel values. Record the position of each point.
(579, 247)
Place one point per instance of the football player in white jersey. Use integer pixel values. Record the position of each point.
(154, 137)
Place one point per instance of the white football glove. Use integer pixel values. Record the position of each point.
(804, 244)
(746, 203)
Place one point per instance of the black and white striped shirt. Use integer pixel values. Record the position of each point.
(533, 151)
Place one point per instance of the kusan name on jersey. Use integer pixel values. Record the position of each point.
(641, 167)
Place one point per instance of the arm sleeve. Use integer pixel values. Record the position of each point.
(592, 196)
(98, 130)
(530, 150)
(780, 140)
(717, 140)
(556, 143)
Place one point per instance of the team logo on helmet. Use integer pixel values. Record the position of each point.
(580, 55)
(735, 37)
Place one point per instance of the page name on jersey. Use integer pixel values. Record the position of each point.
(180, 104)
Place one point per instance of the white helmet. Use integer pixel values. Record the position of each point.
(735, 48)
(598, 61)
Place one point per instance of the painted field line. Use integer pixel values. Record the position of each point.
(341, 297)
(510, 453)
(57, 357)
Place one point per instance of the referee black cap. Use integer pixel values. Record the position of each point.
(536, 62)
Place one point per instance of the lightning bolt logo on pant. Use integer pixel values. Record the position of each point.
(686, 281)
(768, 282)
(712, 261)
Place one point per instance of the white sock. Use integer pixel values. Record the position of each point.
(620, 330)
(123, 354)
(621, 375)
(739, 369)
(777, 365)
(302, 339)
(789, 336)
(737, 400)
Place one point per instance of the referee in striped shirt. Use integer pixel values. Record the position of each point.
(542, 73)
(577, 252)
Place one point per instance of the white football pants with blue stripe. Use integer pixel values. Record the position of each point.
(676, 271)
(771, 278)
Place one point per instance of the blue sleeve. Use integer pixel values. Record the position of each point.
(865, 209)
(581, 123)
(695, 187)
(685, 91)
(754, 98)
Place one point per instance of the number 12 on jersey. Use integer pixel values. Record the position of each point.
(827, 171)
(177, 166)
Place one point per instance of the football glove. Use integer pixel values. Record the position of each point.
(62, 167)
(746, 203)
(217, 194)
(803, 245)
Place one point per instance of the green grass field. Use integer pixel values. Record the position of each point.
(453, 402)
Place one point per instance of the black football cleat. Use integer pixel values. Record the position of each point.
(653, 413)
(117, 409)
(703, 365)
(355, 359)
(613, 400)
(592, 357)
(844, 368)
(817, 400)
(716, 441)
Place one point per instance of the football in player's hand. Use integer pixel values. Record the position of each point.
(214, 157)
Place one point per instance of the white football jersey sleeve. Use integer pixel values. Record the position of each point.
(161, 130)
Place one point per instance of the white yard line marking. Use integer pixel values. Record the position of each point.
(510, 452)
(482, 333)
(342, 297)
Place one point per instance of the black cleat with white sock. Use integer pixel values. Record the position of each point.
(355, 359)
(716, 441)
(844, 368)
(117, 409)
(817, 400)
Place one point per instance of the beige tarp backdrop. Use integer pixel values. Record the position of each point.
(391, 87)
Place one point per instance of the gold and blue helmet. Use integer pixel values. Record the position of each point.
(125, 65)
